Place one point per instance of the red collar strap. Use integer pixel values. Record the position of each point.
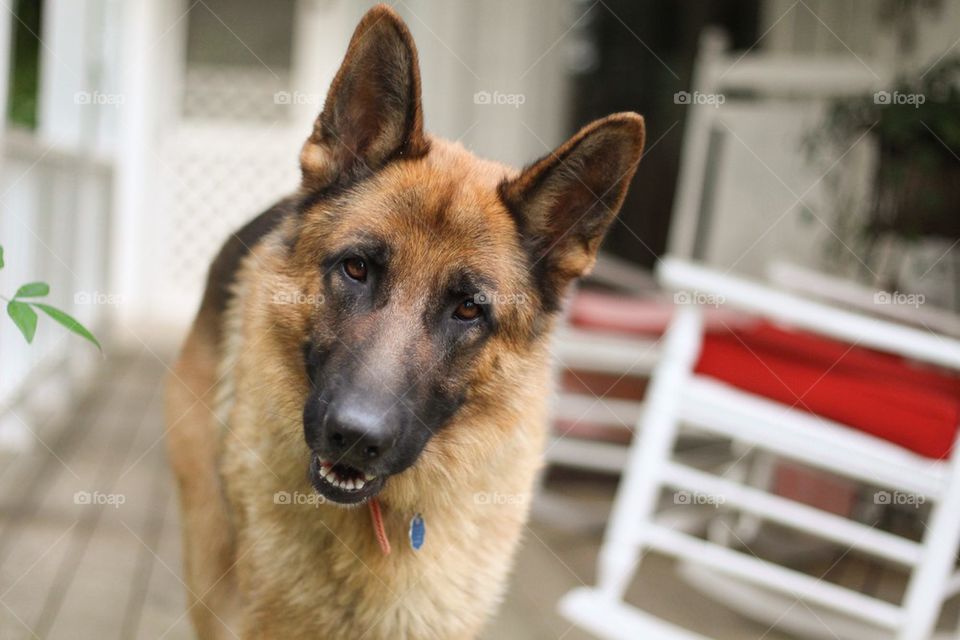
(378, 528)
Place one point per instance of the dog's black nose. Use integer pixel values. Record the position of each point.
(357, 433)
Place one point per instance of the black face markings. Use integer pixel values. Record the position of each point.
(355, 274)
(313, 358)
(465, 281)
(459, 312)
(375, 251)
(309, 362)
(415, 368)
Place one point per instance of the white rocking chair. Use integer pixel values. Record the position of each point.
(678, 395)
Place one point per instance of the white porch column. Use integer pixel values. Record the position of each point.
(6, 42)
(321, 32)
(64, 81)
(152, 41)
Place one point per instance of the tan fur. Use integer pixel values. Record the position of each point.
(194, 443)
(259, 569)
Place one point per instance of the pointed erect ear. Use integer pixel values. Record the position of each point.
(564, 202)
(373, 112)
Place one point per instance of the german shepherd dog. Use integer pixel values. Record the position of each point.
(380, 338)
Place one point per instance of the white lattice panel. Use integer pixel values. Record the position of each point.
(224, 93)
(212, 181)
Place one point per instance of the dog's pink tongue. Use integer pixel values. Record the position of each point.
(378, 527)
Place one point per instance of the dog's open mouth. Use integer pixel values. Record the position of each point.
(342, 483)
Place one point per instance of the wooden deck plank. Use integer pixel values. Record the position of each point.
(150, 476)
(96, 463)
(28, 576)
(92, 605)
(165, 605)
(108, 570)
(41, 524)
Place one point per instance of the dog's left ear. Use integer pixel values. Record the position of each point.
(373, 112)
(564, 202)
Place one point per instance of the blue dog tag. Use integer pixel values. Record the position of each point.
(417, 532)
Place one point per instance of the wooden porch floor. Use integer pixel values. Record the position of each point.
(75, 562)
(89, 538)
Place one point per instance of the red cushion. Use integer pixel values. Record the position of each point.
(915, 407)
(617, 313)
(884, 395)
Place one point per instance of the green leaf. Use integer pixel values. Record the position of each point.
(67, 321)
(1, 257)
(33, 290)
(24, 317)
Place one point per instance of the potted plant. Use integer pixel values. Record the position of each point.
(915, 196)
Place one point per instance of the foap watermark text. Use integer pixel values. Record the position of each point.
(496, 498)
(698, 297)
(897, 298)
(697, 498)
(298, 297)
(897, 97)
(98, 498)
(97, 98)
(498, 98)
(296, 97)
(698, 98)
(298, 498)
(900, 498)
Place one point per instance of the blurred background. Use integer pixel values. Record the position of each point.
(812, 146)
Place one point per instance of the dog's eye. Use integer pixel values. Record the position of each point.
(467, 310)
(355, 268)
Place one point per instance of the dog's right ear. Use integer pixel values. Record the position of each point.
(373, 112)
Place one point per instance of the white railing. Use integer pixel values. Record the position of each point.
(54, 227)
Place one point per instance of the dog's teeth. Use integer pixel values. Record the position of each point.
(328, 471)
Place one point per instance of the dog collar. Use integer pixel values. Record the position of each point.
(416, 532)
(378, 528)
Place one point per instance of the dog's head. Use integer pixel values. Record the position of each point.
(425, 263)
